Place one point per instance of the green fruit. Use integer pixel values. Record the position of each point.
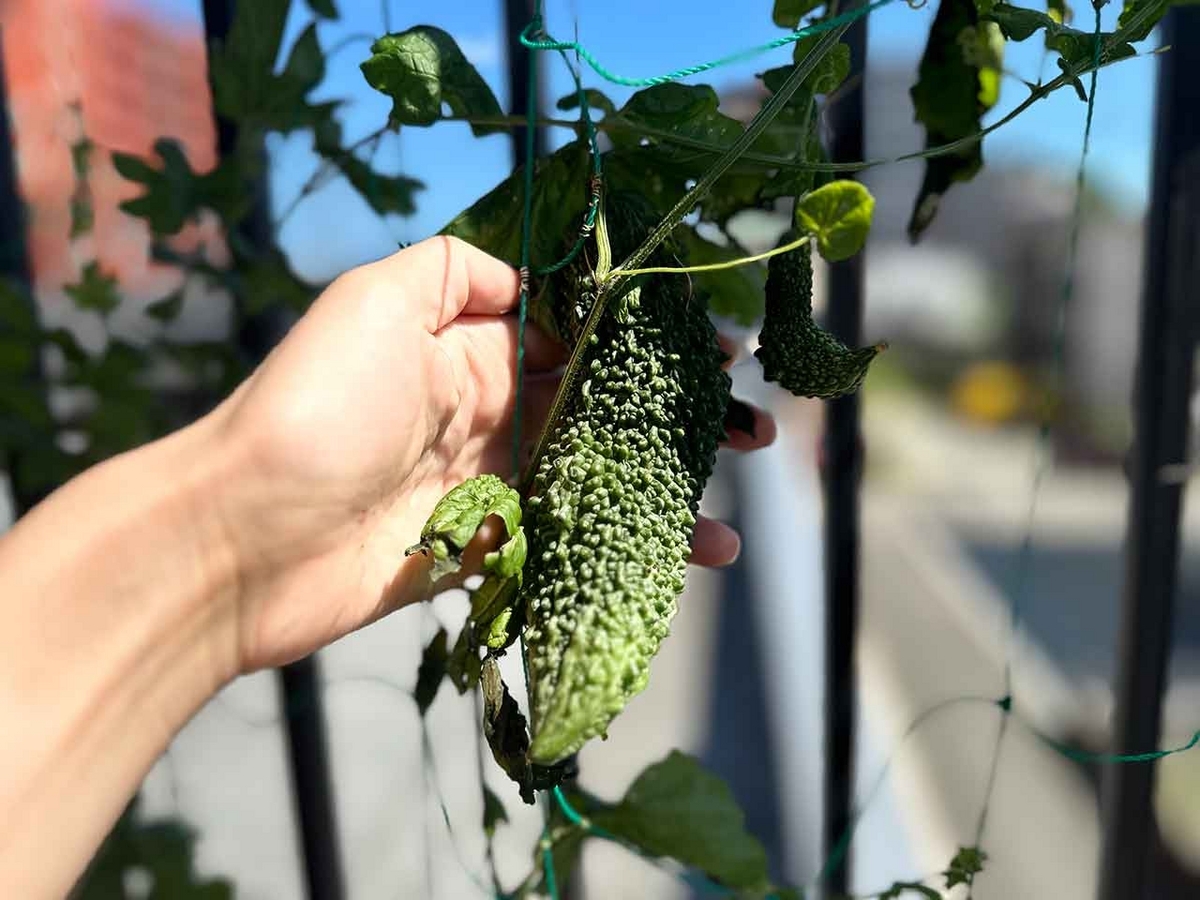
(615, 496)
(796, 352)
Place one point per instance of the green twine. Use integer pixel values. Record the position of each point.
(589, 219)
(1085, 756)
(529, 38)
(526, 225)
(548, 865)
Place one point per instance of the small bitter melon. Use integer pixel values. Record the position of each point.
(796, 352)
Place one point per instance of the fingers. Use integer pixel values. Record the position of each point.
(542, 352)
(714, 543)
(730, 348)
(752, 429)
(445, 277)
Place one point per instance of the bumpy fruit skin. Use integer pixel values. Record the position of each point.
(796, 352)
(615, 499)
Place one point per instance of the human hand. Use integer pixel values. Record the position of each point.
(397, 385)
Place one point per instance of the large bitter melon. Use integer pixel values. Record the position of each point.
(616, 493)
(793, 349)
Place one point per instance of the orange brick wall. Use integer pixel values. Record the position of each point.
(78, 67)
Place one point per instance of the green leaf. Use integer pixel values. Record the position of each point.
(595, 99)
(431, 670)
(838, 215)
(95, 290)
(115, 371)
(82, 214)
(496, 627)
(830, 72)
(788, 13)
(493, 812)
(676, 808)
(653, 115)
(121, 422)
(175, 193)
(17, 355)
(246, 86)
(385, 193)
(163, 848)
(167, 309)
(736, 293)
(267, 281)
(560, 194)
(323, 8)
(967, 863)
(17, 307)
(1138, 17)
(954, 89)
(1058, 10)
(1077, 47)
(508, 561)
(463, 664)
(504, 727)
(421, 69)
(459, 514)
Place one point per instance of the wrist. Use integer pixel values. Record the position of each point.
(120, 624)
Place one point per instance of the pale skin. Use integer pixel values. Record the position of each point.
(262, 532)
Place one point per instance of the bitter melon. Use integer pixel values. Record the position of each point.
(796, 352)
(615, 495)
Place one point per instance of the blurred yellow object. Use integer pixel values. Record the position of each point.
(990, 392)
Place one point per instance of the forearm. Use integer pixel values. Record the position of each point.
(114, 632)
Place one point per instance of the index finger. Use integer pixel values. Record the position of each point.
(446, 277)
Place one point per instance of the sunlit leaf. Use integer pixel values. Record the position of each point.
(560, 194)
(422, 69)
(838, 215)
(677, 808)
(457, 517)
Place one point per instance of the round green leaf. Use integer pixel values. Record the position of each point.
(838, 215)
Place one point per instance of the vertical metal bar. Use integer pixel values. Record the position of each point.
(518, 14)
(14, 262)
(1166, 347)
(843, 459)
(299, 682)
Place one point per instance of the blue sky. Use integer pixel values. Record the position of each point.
(333, 229)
